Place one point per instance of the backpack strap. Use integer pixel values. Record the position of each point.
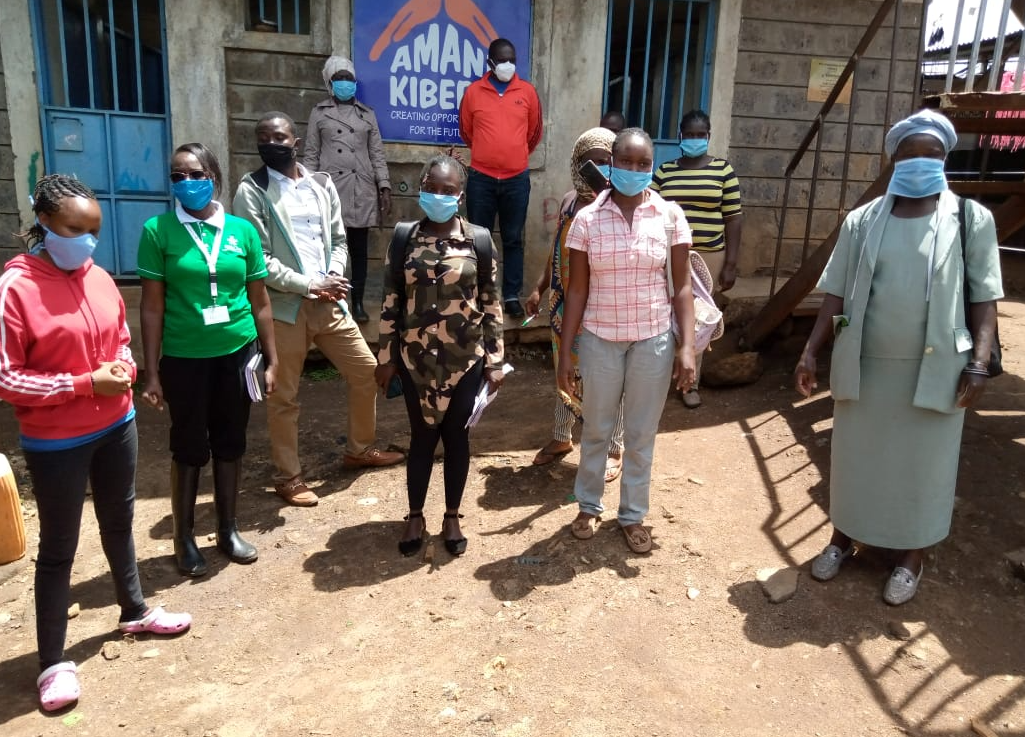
(483, 248)
(400, 238)
(261, 178)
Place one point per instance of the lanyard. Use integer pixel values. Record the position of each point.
(210, 255)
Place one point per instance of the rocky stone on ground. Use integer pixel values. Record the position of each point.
(779, 584)
(740, 368)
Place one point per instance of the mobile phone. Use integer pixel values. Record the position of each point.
(394, 388)
(593, 176)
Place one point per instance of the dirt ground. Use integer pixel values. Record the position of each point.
(535, 633)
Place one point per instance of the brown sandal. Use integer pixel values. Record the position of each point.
(584, 525)
(637, 538)
(553, 451)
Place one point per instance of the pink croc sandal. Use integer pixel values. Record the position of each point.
(58, 686)
(158, 622)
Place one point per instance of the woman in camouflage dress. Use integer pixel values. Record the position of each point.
(441, 334)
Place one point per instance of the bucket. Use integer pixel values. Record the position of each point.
(12, 527)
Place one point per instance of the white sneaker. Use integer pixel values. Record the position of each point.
(902, 585)
(827, 563)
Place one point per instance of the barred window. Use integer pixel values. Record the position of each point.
(279, 16)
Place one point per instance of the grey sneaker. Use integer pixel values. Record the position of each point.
(827, 563)
(902, 586)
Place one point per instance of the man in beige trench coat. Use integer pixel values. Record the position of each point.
(342, 139)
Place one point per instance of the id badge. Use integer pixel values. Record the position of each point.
(215, 315)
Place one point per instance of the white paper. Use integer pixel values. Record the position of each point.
(485, 397)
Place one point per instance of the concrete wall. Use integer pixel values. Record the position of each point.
(20, 138)
(770, 114)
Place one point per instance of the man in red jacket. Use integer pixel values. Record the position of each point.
(500, 120)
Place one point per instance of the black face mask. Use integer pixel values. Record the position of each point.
(277, 156)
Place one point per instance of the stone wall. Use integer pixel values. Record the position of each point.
(771, 114)
(9, 220)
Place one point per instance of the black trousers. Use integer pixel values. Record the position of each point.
(452, 432)
(209, 406)
(59, 480)
(356, 239)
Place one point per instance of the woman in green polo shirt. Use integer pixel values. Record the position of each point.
(204, 305)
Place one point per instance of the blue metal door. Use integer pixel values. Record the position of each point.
(103, 97)
(659, 64)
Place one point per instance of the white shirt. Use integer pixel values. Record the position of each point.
(300, 200)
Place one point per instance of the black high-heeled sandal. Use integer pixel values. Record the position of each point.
(412, 545)
(458, 546)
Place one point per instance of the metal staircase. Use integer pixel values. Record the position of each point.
(971, 100)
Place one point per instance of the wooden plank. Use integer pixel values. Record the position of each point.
(994, 126)
(983, 101)
(1009, 217)
(986, 189)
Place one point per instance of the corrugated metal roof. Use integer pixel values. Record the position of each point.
(942, 15)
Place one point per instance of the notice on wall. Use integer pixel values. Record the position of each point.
(415, 58)
(823, 76)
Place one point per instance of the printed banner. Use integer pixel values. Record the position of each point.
(415, 58)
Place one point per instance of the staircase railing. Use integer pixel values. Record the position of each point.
(815, 133)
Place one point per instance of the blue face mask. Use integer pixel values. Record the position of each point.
(69, 253)
(630, 183)
(439, 207)
(917, 178)
(194, 194)
(343, 89)
(605, 169)
(692, 148)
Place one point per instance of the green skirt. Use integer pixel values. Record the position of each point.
(893, 466)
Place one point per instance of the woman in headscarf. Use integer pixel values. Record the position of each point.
(594, 145)
(342, 139)
(913, 311)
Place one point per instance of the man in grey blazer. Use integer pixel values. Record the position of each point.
(299, 218)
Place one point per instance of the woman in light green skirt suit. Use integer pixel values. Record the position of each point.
(910, 353)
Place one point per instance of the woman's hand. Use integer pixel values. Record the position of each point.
(383, 374)
(804, 375)
(533, 303)
(564, 376)
(970, 387)
(111, 379)
(153, 392)
(270, 378)
(494, 377)
(684, 368)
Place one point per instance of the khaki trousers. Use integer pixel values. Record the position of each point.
(339, 339)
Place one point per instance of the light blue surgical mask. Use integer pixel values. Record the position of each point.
(194, 194)
(692, 148)
(628, 182)
(439, 207)
(343, 89)
(605, 169)
(69, 253)
(917, 178)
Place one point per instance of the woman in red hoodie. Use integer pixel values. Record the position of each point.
(66, 367)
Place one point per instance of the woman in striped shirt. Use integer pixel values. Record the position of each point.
(707, 189)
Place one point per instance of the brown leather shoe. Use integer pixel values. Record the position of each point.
(372, 457)
(296, 493)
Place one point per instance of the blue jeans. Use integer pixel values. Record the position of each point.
(638, 375)
(507, 198)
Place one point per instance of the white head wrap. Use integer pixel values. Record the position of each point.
(333, 65)
(924, 121)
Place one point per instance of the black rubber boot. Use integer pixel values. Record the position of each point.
(358, 313)
(184, 487)
(229, 542)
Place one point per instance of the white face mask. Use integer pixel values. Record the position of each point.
(505, 71)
